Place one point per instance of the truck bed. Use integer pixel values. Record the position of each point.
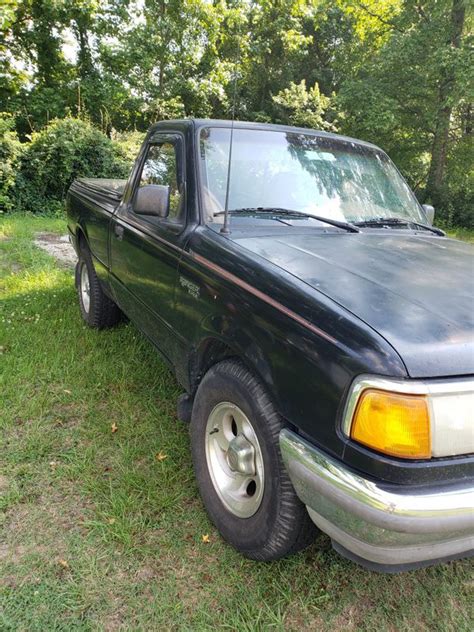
(105, 192)
(93, 201)
(109, 187)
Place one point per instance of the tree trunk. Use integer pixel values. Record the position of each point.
(84, 57)
(467, 120)
(439, 148)
(47, 46)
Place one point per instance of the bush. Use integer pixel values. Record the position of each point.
(58, 154)
(10, 153)
(128, 144)
(457, 199)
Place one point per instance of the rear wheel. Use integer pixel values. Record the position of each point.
(241, 477)
(97, 309)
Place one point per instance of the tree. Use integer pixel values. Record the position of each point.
(396, 72)
(448, 97)
(407, 97)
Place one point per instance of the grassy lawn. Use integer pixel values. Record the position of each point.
(101, 526)
(462, 233)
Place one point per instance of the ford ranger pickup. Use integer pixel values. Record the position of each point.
(321, 327)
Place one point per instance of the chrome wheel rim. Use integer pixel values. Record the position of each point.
(85, 288)
(234, 459)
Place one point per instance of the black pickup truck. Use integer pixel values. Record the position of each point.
(320, 326)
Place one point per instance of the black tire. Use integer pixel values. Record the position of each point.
(281, 525)
(101, 312)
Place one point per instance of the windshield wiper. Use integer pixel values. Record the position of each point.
(288, 212)
(398, 221)
(264, 209)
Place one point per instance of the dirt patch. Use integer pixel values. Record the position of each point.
(15, 554)
(57, 246)
(4, 483)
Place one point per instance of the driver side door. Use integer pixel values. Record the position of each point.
(145, 247)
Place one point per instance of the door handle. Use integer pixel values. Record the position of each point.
(118, 230)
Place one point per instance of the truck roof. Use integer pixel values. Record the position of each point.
(199, 123)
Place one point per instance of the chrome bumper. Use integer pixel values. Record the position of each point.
(375, 524)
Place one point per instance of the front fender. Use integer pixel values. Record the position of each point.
(224, 336)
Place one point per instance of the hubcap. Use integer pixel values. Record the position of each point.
(234, 459)
(85, 288)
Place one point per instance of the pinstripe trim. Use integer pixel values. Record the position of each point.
(262, 296)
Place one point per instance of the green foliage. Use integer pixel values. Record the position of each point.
(393, 72)
(7, 13)
(128, 145)
(456, 201)
(303, 107)
(10, 153)
(160, 109)
(64, 150)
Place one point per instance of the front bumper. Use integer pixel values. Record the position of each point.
(380, 526)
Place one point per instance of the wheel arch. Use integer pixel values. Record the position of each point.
(209, 352)
(81, 239)
(214, 348)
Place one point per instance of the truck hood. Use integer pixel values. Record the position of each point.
(416, 291)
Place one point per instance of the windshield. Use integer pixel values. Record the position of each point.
(329, 177)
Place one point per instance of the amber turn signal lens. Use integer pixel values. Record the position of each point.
(393, 423)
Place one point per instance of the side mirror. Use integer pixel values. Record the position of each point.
(152, 199)
(429, 212)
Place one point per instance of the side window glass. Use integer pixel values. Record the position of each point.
(160, 167)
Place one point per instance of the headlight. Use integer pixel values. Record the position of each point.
(412, 419)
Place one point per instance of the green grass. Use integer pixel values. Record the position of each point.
(96, 533)
(461, 233)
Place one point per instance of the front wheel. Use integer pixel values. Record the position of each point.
(241, 477)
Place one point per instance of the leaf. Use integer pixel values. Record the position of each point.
(67, 391)
(161, 456)
(205, 538)
(64, 563)
(114, 427)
